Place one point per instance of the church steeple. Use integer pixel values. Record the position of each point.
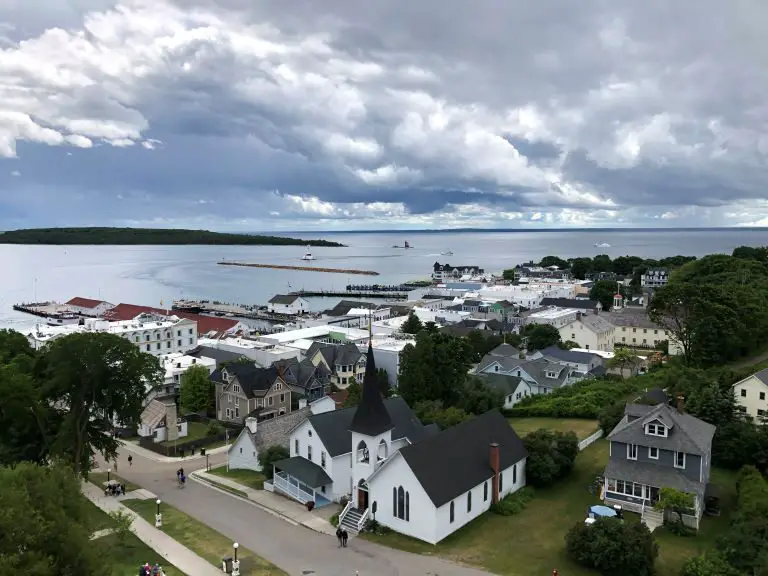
(371, 417)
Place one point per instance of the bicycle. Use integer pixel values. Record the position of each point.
(181, 480)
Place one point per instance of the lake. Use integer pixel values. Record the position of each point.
(150, 275)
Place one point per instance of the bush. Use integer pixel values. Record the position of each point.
(214, 428)
(268, 457)
(678, 528)
(551, 456)
(613, 547)
(513, 503)
(334, 520)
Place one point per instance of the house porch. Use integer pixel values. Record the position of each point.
(303, 481)
(641, 498)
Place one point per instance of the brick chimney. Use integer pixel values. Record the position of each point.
(496, 471)
(680, 403)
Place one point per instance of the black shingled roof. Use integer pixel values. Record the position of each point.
(457, 459)
(333, 427)
(221, 356)
(252, 378)
(305, 470)
(371, 417)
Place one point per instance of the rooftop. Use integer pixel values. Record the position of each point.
(553, 313)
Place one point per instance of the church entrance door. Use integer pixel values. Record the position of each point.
(362, 499)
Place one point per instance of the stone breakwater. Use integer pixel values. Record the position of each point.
(304, 268)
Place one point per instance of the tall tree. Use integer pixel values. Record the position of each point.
(541, 336)
(624, 358)
(603, 291)
(354, 393)
(412, 324)
(548, 261)
(580, 267)
(383, 378)
(44, 524)
(197, 390)
(434, 369)
(92, 380)
(26, 421)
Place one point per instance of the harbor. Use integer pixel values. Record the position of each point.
(350, 294)
(301, 268)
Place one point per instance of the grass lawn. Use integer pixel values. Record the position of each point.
(248, 478)
(205, 541)
(122, 556)
(582, 428)
(533, 542)
(100, 479)
(195, 431)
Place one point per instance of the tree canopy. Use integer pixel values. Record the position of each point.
(551, 455)
(197, 393)
(613, 547)
(540, 336)
(412, 324)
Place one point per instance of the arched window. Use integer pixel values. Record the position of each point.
(469, 501)
(394, 501)
(514, 474)
(382, 452)
(362, 453)
(401, 503)
(501, 481)
(452, 507)
(407, 506)
(485, 492)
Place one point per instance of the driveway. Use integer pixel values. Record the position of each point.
(297, 550)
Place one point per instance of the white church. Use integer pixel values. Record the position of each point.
(412, 478)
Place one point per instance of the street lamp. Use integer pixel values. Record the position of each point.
(108, 472)
(158, 515)
(235, 561)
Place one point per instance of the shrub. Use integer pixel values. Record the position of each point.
(214, 428)
(551, 455)
(678, 528)
(268, 457)
(513, 503)
(613, 547)
(334, 520)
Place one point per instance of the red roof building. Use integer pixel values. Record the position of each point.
(85, 302)
(205, 324)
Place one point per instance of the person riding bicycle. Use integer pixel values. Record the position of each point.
(180, 472)
(182, 480)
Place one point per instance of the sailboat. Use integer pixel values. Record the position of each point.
(308, 255)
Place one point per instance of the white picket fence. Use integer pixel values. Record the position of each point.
(590, 439)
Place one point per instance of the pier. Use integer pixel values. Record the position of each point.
(379, 288)
(350, 294)
(302, 268)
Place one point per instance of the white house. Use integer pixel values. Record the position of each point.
(88, 306)
(287, 304)
(420, 481)
(589, 331)
(751, 394)
(176, 364)
(256, 436)
(159, 420)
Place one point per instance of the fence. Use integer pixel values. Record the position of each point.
(183, 448)
(588, 441)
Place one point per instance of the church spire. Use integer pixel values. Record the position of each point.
(371, 417)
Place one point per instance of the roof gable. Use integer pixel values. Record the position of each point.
(457, 459)
(85, 302)
(285, 299)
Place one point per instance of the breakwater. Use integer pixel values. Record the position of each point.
(350, 294)
(302, 268)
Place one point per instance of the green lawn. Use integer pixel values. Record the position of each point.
(582, 428)
(248, 478)
(198, 537)
(195, 431)
(100, 479)
(533, 542)
(122, 556)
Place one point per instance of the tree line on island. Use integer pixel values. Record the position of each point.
(149, 236)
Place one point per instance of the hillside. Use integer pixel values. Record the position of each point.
(148, 236)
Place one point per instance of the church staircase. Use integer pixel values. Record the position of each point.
(351, 520)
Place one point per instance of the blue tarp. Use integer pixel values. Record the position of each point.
(602, 511)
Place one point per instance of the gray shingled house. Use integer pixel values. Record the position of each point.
(655, 447)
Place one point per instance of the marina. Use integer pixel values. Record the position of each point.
(302, 268)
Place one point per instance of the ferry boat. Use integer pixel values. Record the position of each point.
(190, 306)
(602, 245)
(308, 255)
(405, 246)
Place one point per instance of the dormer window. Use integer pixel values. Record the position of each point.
(236, 388)
(551, 374)
(224, 376)
(656, 430)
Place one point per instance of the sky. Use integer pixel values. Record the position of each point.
(255, 115)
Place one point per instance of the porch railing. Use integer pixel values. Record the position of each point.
(283, 483)
(363, 518)
(344, 512)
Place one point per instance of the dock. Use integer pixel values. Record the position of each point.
(350, 294)
(302, 268)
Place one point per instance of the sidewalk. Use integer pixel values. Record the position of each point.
(149, 455)
(275, 504)
(180, 556)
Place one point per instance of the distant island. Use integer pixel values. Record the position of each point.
(148, 236)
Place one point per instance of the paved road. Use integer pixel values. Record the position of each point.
(297, 550)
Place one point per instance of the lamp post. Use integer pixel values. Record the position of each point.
(235, 561)
(158, 515)
(109, 470)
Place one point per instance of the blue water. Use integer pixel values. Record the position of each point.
(151, 274)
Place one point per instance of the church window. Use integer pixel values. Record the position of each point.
(514, 474)
(452, 511)
(501, 481)
(394, 502)
(401, 503)
(362, 453)
(469, 501)
(485, 492)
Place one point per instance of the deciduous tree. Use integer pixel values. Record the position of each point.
(197, 390)
(623, 359)
(268, 457)
(91, 380)
(551, 455)
(673, 500)
(541, 336)
(354, 393)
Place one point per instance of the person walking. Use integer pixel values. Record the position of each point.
(130, 460)
(344, 538)
(115, 465)
(338, 535)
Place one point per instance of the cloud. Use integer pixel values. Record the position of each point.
(378, 114)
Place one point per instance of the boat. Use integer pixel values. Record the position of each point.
(405, 246)
(602, 245)
(308, 255)
(446, 253)
(189, 306)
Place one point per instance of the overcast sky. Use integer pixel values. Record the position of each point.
(353, 114)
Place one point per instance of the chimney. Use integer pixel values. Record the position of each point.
(251, 423)
(496, 471)
(680, 403)
(302, 403)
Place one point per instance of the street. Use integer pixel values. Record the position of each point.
(296, 549)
